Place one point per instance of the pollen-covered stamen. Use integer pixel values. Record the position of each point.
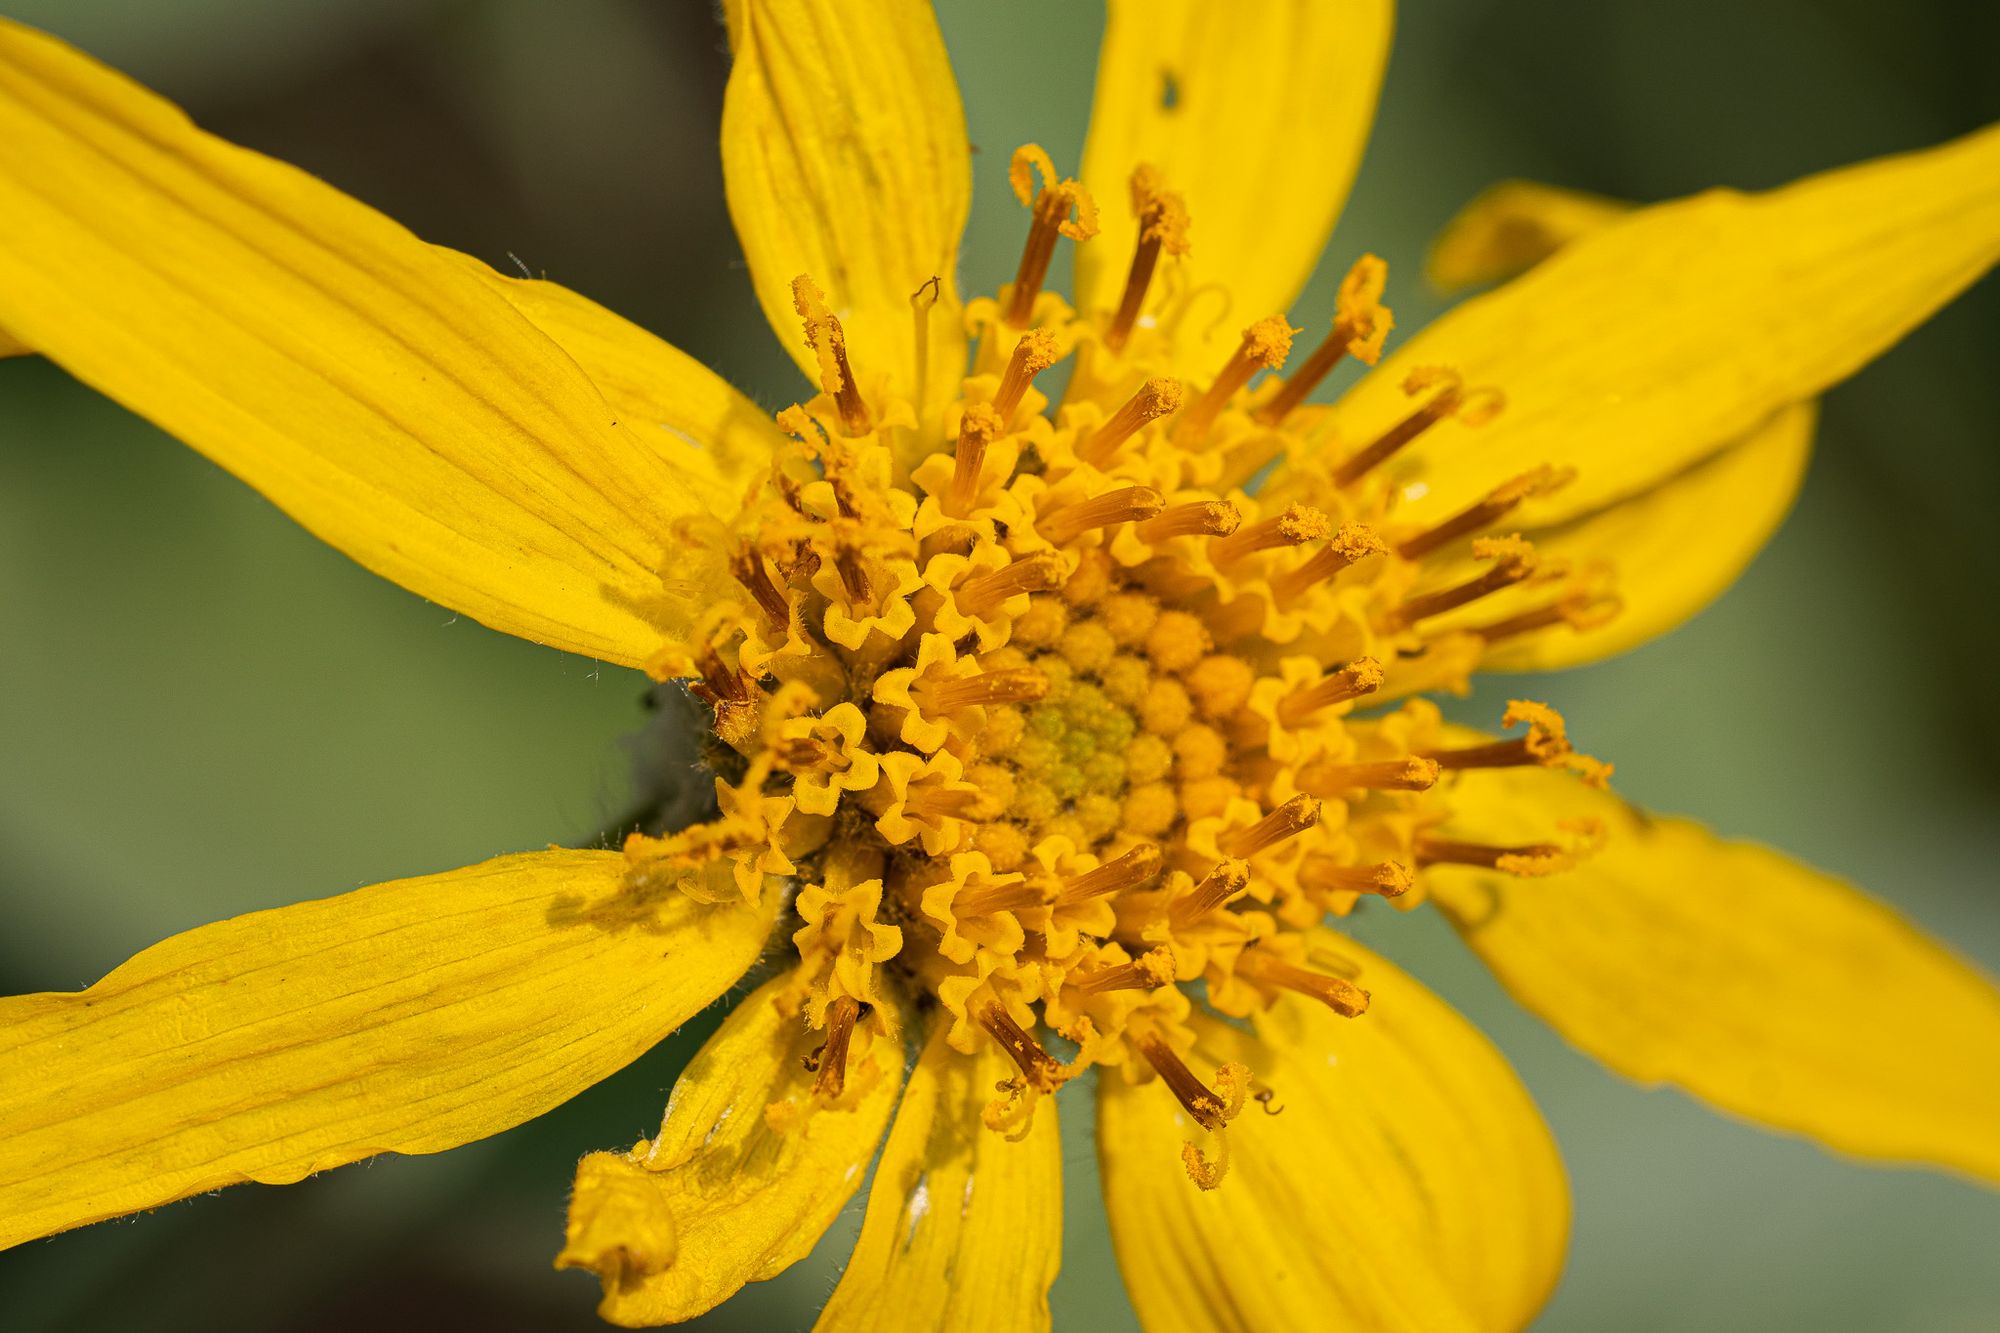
(1209, 1109)
(1124, 872)
(1197, 518)
(1361, 324)
(1154, 399)
(1546, 742)
(1513, 560)
(1150, 971)
(1163, 225)
(1051, 208)
(1288, 820)
(985, 594)
(976, 428)
(1007, 895)
(1536, 858)
(829, 343)
(1452, 399)
(1499, 502)
(1043, 1071)
(1128, 505)
(1013, 685)
(1035, 353)
(1323, 874)
(1581, 611)
(1342, 996)
(1354, 541)
(1361, 676)
(1298, 525)
(1265, 346)
(1330, 779)
(748, 567)
(1226, 881)
(841, 1015)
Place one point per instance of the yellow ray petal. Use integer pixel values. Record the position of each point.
(844, 157)
(1652, 343)
(963, 1229)
(12, 346)
(1259, 117)
(718, 441)
(1404, 1180)
(408, 1017)
(1509, 228)
(747, 1171)
(1757, 984)
(1668, 552)
(367, 384)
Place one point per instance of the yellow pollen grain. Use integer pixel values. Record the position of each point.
(1130, 616)
(1034, 803)
(1150, 809)
(1088, 646)
(1148, 759)
(1067, 826)
(1092, 581)
(1205, 798)
(1220, 684)
(1002, 844)
(996, 780)
(1177, 641)
(1042, 624)
(1166, 708)
(1126, 680)
(1004, 726)
(1100, 814)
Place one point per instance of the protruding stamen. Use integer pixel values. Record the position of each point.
(1129, 871)
(1208, 1109)
(853, 575)
(723, 683)
(1155, 398)
(1546, 744)
(840, 1020)
(1163, 225)
(1579, 610)
(1361, 324)
(1322, 874)
(748, 567)
(936, 802)
(1265, 346)
(976, 428)
(825, 336)
(1499, 502)
(1288, 820)
(1343, 997)
(1015, 685)
(1537, 858)
(807, 752)
(1213, 518)
(983, 595)
(1361, 676)
(1329, 779)
(1132, 503)
(1298, 525)
(1353, 542)
(1228, 879)
(1452, 399)
(1150, 971)
(1042, 1070)
(1513, 559)
(1050, 209)
(1010, 895)
(1035, 353)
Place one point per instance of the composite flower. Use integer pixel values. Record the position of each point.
(1071, 670)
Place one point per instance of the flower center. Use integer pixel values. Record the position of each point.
(1072, 716)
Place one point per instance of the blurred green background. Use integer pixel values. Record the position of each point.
(205, 712)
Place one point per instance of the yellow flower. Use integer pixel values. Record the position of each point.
(1048, 736)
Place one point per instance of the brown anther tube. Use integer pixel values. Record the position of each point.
(1361, 676)
(1517, 753)
(1447, 851)
(1304, 380)
(1580, 611)
(1050, 209)
(1329, 780)
(1322, 874)
(748, 567)
(1040, 1068)
(1264, 346)
(840, 1019)
(1129, 871)
(1351, 543)
(1033, 354)
(983, 595)
(1437, 409)
(935, 802)
(1153, 400)
(1499, 502)
(976, 429)
(1505, 574)
(1212, 518)
(1298, 525)
(1343, 997)
(853, 575)
(1013, 685)
(1288, 820)
(1228, 879)
(1065, 525)
(1010, 895)
(1191, 1092)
